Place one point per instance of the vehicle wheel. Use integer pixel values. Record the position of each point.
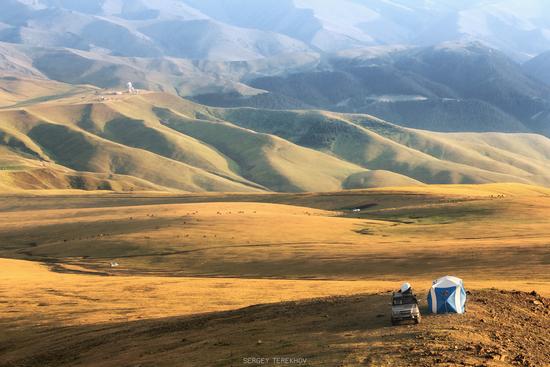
(417, 320)
(393, 322)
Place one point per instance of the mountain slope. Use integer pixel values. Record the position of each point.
(137, 29)
(85, 152)
(178, 76)
(265, 159)
(124, 136)
(450, 87)
(520, 30)
(378, 145)
(205, 39)
(539, 67)
(163, 142)
(259, 29)
(18, 90)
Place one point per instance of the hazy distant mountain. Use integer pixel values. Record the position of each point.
(184, 77)
(520, 29)
(260, 28)
(450, 87)
(210, 40)
(392, 59)
(539, 67)
(137, 29)
(324, 25)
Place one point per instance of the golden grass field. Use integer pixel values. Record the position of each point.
(187, 255)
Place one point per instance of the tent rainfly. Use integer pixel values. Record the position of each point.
(447, 295)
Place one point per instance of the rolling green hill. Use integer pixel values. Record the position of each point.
(92, 139)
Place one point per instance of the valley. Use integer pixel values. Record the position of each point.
(201, 255)
(224, 183)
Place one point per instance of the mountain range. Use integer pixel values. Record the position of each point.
(448, 87)
(248, 29)
(87, 138)
(484, 76)
(266, 95)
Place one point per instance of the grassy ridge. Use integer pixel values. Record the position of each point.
(166, 142)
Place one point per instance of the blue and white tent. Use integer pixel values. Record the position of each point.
(447, 295)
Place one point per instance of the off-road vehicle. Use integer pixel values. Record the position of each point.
(404, 307)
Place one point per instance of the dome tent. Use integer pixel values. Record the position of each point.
(447, 295)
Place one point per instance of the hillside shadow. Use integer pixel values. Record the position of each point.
(331, 319)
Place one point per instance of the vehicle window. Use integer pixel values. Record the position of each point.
(404, 300)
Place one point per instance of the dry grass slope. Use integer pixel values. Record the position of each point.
(281, 236)
(194, 268)
(166, 142)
